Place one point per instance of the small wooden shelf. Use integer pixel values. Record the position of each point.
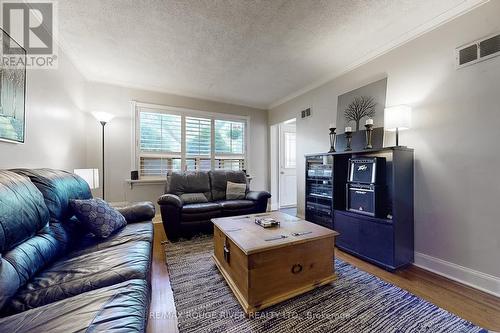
(133, 182)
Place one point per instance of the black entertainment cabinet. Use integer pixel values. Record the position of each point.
(386, 240)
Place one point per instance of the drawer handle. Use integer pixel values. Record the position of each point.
(297, 268)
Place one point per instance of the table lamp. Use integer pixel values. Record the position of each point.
(397, 118)
(91, 176)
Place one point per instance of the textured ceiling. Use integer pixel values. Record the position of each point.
(240, 51)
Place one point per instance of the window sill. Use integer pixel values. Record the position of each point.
(143, 182)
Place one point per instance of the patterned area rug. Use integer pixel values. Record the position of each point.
(355, 302)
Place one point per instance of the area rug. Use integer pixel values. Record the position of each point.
(355, 302)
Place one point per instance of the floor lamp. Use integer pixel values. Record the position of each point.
(103, 118)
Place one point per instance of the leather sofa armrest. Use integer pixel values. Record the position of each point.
(137, 211)
(170, 199)
(258, 195)
(171, 216)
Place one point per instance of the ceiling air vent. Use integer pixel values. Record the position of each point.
(479, 50)
(467, 54)
(489, 46)
(305, 113)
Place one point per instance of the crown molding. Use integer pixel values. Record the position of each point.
(459, 10)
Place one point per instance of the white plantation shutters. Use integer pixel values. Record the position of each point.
(229, 145)
(160, 143)
(198, 143)
(160, 132)
(158, 166)
(170, 139)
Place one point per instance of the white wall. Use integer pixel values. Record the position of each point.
(55, 123)
(116, 100)
(455, 136)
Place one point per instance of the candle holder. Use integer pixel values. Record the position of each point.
(369, 132)
(348, 136)
(333, 139)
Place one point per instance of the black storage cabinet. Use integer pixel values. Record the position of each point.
(386, 241)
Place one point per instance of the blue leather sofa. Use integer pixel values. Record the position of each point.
(54, 276)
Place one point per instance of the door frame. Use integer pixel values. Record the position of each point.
(275, 156)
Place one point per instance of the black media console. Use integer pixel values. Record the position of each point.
(385, 239)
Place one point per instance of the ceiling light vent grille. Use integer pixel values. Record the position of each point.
(477, 51)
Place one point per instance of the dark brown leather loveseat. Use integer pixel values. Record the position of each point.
(184, 220)
(54, 276)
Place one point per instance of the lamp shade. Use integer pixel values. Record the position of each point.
(103, 116)
(397, 117)
(91, 176)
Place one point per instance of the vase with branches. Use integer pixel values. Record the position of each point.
(360, 107)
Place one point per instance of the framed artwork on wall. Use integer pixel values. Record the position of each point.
(354, 108)
(12, 90)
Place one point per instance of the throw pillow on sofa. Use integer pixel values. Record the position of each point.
(190, 198)
(98, 216)
(236, 191)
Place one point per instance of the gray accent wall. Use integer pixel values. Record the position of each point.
(456, 115)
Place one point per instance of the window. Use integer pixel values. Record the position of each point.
(160, 132)
(160, 143)
(171, 139)
(198, 143)
(229, 145)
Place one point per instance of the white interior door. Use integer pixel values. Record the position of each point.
(287, 166)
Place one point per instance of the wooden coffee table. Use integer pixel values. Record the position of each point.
(264, 268)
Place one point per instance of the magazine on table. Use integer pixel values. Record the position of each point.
(267, 222)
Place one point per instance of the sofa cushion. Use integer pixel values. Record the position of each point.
(98, 216)
(31, 256)
(57, 188)
(135, 211)
(27, 243)
(236, 191)
(200, 212)
(219, 179)
(236, 204)
(22, 210)
(200, 208)
(237, 207)
(179, 183)
(119, 308)
(140, 231)
(204, 217)
(78, 273)
(189, 198)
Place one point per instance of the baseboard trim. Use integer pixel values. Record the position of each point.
(488, 283)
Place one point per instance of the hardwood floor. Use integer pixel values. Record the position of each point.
(471, 304)
(162, 313)
(476, 306)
